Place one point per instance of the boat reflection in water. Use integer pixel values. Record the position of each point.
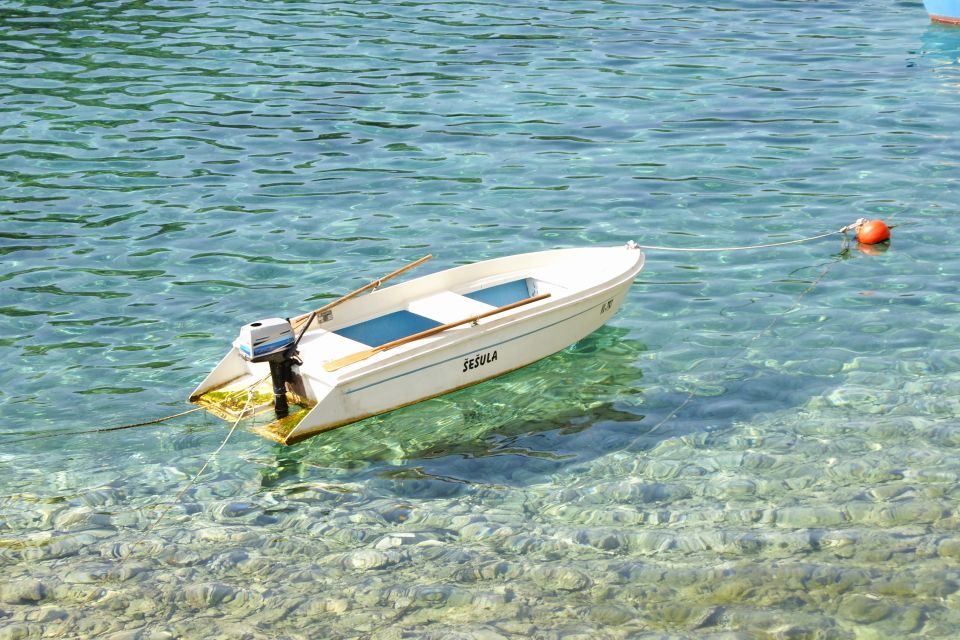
(525, 422)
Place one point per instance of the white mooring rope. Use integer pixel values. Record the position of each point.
(796, 305)
(193, 480)
(744, 248)
(850, 227)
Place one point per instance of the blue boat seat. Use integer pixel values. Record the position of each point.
(384, 329)
(503, 294)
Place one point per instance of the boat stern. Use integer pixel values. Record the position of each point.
(240, 390)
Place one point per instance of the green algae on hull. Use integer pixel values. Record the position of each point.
(234, 401)
(231, 405)
(280, 428)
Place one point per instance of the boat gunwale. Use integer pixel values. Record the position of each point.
(953, 20)
(419, 348)
(546, 258)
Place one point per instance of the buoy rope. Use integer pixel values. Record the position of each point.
(193, 480)
(849, 227)
(855, 226)
(743, 248)
(691, 394)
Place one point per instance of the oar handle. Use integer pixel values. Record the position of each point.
(305, 319)
(340, 363)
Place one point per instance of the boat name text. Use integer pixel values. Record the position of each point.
(480, 360)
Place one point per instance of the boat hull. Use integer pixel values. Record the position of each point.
(459, 365)
(372, 354)
(945, 11)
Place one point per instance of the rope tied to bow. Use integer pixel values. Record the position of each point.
(855, 227)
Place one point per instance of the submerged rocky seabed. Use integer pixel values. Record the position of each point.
(836, 520)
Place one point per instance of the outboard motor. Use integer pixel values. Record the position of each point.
(271, 340)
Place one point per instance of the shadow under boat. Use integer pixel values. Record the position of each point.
(577, 405)
(523, 413)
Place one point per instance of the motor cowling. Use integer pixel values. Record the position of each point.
(265, 340)
(271, 340)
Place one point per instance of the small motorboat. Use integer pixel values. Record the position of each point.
(947, 11)
(361, 356)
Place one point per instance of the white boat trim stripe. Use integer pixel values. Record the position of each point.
(463, 355)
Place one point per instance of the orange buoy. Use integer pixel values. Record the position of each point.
(872, 232)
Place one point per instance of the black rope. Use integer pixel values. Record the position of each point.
(101, 429)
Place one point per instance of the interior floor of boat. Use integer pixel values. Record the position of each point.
(430, 311)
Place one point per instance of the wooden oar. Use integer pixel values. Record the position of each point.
(340, 363)
(307, 318)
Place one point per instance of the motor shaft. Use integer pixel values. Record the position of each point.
(280, 373)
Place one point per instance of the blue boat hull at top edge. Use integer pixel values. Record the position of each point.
(943, 10)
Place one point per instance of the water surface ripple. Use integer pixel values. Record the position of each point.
(760, 445)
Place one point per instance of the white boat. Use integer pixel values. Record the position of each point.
(416, 340)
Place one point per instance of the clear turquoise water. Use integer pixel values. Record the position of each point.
(761, 445)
